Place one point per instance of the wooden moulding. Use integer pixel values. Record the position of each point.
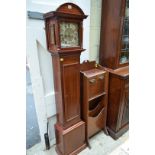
(116, 135)
(67, 10)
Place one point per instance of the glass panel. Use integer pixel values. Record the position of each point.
(52, 39)
(124, 57)
(69, 34)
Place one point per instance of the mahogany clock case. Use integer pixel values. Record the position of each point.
(65, 49)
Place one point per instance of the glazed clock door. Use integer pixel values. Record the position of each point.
(71, 88)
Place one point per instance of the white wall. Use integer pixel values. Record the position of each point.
(95, 26)
(41, 64)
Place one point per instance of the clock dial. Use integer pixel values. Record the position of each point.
(69, 35)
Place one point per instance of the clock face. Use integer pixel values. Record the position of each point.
(69, 34)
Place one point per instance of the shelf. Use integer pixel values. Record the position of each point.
(121, 72)
(125, 35)
(95, 123)
(125, 50)
(96, 110)
(94, 97)
(124, 62)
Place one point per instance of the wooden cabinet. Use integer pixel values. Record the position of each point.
(64, 41)
(94, 95)
(118, 105)
(114, 55)
(114, 42)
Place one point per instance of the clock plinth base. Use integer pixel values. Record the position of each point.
(70, 141)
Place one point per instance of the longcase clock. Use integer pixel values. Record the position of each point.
(64, 33)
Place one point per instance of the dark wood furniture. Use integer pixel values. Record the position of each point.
(114, 42)
(94, 97)
(64, 41)
(118, 105)
(114, 55)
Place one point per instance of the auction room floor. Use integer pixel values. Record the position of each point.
(100, 145)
